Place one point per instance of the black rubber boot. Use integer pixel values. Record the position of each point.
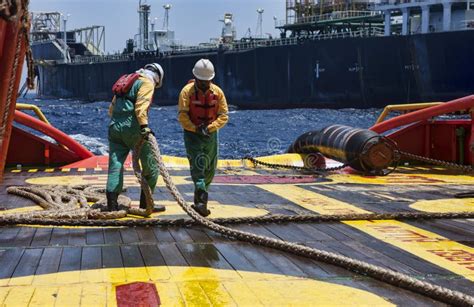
(156, 208)
(112, 203)
(200, 202)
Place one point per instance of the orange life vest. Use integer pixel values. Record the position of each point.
(202, 108)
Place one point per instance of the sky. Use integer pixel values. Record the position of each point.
(194, 21)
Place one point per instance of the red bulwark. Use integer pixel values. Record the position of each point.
(137, 294)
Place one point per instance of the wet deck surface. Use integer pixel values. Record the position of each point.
(194, 266)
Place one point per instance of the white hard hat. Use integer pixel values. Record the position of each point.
(204, 70)
(159, 73)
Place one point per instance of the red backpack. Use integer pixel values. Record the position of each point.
(124, 84)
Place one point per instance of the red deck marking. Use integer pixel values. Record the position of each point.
(96, 161)
(459, 256)
(137, 294)
(257, 179)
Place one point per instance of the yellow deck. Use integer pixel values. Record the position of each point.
(68, 266)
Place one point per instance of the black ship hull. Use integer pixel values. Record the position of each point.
(335, 73)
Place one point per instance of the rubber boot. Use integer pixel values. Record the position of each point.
(156, 208)
(112, 203)
(200, 202)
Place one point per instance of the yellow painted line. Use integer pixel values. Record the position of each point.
(73, 277)
(91, 276)
(69, 296)
(98, 179)
(401, 179)
(21, 210)
(264, 294)
(3, 294)
(310, 200)
(193, 293)
(427, 245)
(33, 170)
(191, 286)
(158, 273)
(218, 210)
(216, 293)
(98, 169)
(169, 294)
(19, 296)
(16, 170)
(445, 205)
(49, 170)
(242, 293)
(111, 295)
(136, 274)
(65, 170)
(293, 159)
(94, 295)
(44, 297)
(21, 281)
(431, 247)
(81, 169)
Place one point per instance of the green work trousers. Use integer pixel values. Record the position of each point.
(202, 154)
(122, 138)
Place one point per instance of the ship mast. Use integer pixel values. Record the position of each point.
(259, 30)
(166, 20)
(144, 15)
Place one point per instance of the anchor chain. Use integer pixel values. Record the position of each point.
(464, 168)
(297, 168)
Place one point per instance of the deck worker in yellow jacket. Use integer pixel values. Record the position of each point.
(202, 111)
(128, 124)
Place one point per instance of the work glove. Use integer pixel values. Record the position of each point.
(145, 131)
(202, 130)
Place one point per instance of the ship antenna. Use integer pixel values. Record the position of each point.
(259, 31)
(167, 8)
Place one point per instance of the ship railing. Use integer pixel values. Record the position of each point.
(183, 49)
(393, 2)
(333, 16)
(298, 40)
(234, 46)
(100, 58)
(467, 24)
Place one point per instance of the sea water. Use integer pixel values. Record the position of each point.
(248, 132)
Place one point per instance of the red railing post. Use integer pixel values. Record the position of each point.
(470, 157)
(12, 54)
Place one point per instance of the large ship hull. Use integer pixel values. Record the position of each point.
(334, 73)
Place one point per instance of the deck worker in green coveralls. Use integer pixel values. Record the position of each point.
(202, 111)
(128, 124)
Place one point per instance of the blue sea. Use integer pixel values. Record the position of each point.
(249, 132)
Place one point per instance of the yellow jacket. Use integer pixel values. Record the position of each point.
(183, 108)
(143, 101)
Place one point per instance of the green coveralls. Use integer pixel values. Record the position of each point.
(124, 133)
(202, 154)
